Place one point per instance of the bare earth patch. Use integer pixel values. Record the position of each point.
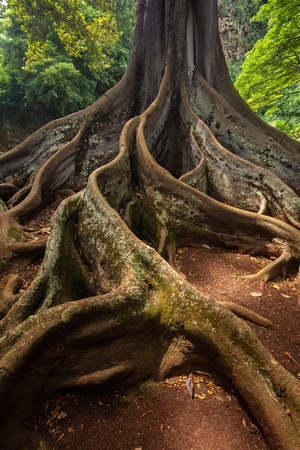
(162, 415)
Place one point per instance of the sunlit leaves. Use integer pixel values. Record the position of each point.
(46, 91)
(273, 65)
(95, 35)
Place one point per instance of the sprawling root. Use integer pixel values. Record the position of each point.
(178, 210)
(9, 296)
(240, 137)
(245, 313)
(102, 295)
(279, 266)
(135, 293)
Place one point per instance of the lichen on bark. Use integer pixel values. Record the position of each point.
(157, 163)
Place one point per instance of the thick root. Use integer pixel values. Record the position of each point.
(163, 236)
(280, 265)
(11, 285)
(247, 314)
(263, 204)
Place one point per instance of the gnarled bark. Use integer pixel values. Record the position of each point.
(166, 152)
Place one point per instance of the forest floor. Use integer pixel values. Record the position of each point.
(157, 416)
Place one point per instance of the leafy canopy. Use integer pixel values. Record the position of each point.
(272, 67)
(78, 33)
(60, 83)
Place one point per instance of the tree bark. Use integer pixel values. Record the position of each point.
(172, 150)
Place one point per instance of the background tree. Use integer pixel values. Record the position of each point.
(271, 70)
(59, 83)
(172, 156)
(96, 35)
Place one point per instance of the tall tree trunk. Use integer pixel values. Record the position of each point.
(170, 156)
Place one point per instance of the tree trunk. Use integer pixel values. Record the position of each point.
(171, 156)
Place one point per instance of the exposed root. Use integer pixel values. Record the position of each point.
(243, 177)
(101, 294)
(248, 142)
(127, 213)
(171, 252)
(61, 194)
(247, 314)
(263, 203)
(244, 244)
(20, 195)
(197, 178)
(163, 236)
(109, 377)
(293, 222)
(280, 265)
(32, 250)
(11, 285)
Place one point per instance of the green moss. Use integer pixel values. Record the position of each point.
(124, 317)
(15, 233)
(172, 237)
(201, 231)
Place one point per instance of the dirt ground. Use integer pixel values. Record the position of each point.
(162, 415)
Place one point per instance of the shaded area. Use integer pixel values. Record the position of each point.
(164, 417)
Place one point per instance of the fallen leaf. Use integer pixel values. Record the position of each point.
(287, 296)
(275, 286)
(201, 396)
(256, 294)
(224, 292)
(206, 246)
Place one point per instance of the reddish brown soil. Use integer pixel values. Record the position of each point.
(163, 416)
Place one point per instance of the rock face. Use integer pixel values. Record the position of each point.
(238, 35)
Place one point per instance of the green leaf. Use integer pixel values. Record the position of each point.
(272, 66)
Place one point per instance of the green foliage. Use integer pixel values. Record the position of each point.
(285, 114)
(61, 88)
(95, 34)
(234, 69)
(60, 83)
(272, 66)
